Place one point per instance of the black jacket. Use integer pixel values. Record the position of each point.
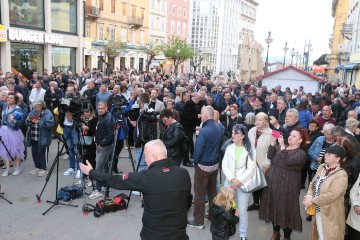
(49, 96)
(91, 96)
(221, 220)
(166, 189)
(189, 116)
(104, 135)
(173, 139)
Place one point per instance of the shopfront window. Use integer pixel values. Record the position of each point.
(63, 59)
(27, 58)
(63, 16)
(27, 13)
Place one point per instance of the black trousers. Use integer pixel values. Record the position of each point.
(190, 143)
(306, 171)
(287, 231)
(352, 233)
(257, 196)
(214, 237)
(119, 146)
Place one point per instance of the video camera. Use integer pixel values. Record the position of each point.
(74, 104)
(118, 107)
(149, 116)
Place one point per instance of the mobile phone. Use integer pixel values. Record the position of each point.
(276, 134)
(274, 113)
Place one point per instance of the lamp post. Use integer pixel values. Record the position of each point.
(147, 47)
(308, 49)
(268, 41)
(285, 50)
(292, 54)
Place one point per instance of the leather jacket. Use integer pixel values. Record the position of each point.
(173, 138)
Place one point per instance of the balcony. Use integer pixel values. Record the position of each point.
(135, 22)
(92, 12)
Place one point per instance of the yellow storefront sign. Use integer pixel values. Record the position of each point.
(3, 33)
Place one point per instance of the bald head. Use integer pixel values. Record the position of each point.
(154, 150)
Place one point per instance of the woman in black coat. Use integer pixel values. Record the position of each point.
(173, 137)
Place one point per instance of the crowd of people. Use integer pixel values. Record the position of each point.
(210, 123)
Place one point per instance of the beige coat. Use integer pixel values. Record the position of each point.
(331, 202)
(354, 219)
(261, 147)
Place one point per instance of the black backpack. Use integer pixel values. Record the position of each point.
(69, 193)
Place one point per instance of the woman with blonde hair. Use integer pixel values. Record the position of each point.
(224, 214)
(260, 139)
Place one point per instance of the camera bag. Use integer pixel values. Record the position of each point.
(119, 202)
(70, 193)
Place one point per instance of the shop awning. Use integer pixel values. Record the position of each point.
(339, 66)
(350, 67)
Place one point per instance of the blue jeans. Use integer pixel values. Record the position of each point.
(72, 139)
(143, 165)
(102, 160)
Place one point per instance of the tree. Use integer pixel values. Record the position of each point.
(110, 49)
(321, 60)
(178, 50)
(196, 60)
(152, 50)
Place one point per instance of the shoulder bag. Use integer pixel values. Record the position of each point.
(256, 182)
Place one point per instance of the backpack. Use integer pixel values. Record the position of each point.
(69, 193)
(111, 204)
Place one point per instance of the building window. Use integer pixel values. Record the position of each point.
(27, 58)
(63, 59)
(152, 22)
(101, 5)
(64, 16)
(173, 9)
(163, 24)
(142, 37)
(101, 31)
(179, 11)
(178, 28)
(27, 13)
(133, 36)
(123, 7)
(113, 6)
(142, 13)
(185, 13)
(123, 34)
(112, 32)
(172, 26)
(153, 4)
(133, 11)
(163, 4)
(87, 29)
(132, 61)
(184, 29)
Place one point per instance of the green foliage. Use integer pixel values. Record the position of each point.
(171, 48)
(152, 49)
(321, 60)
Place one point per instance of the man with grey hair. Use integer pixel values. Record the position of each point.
(206, 160)
(165, 211)
(291, 123)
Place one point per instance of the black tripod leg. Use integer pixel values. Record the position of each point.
(1, 196)
(137, 168)
(130, 155)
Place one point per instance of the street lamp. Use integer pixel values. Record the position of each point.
(308, 46)
(285, 50)
(292, 54)
(177, 61)
(268, 41)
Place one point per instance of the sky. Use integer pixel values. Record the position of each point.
(294, 21)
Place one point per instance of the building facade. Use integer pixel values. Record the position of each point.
(39, 34)
(339, 13)
(121, 26)
(177, 21)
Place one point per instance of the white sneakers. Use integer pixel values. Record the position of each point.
(68, 172)
(35, 171)
(42, 173)
(78, 174)
(7, 172)
(95, 194)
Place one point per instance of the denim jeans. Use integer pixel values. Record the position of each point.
(72, 139)
(38, 155)
(242, 202)
(143, 165)
(102, 160)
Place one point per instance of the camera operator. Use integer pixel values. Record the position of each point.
(52, 97)
(116, 104)
(166, 190)
(104, 138)
(173, 137)
(40, 121)
(70, 134)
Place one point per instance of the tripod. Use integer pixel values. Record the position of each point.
(2, 196)
(55, 163)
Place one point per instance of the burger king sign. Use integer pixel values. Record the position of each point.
(3, 33)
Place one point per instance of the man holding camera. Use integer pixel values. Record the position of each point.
(104, 138)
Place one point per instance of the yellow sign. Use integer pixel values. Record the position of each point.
(88, 43)
(3, 33)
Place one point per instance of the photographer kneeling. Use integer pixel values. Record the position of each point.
(165, 187)
(173, 137)
(104, 138)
